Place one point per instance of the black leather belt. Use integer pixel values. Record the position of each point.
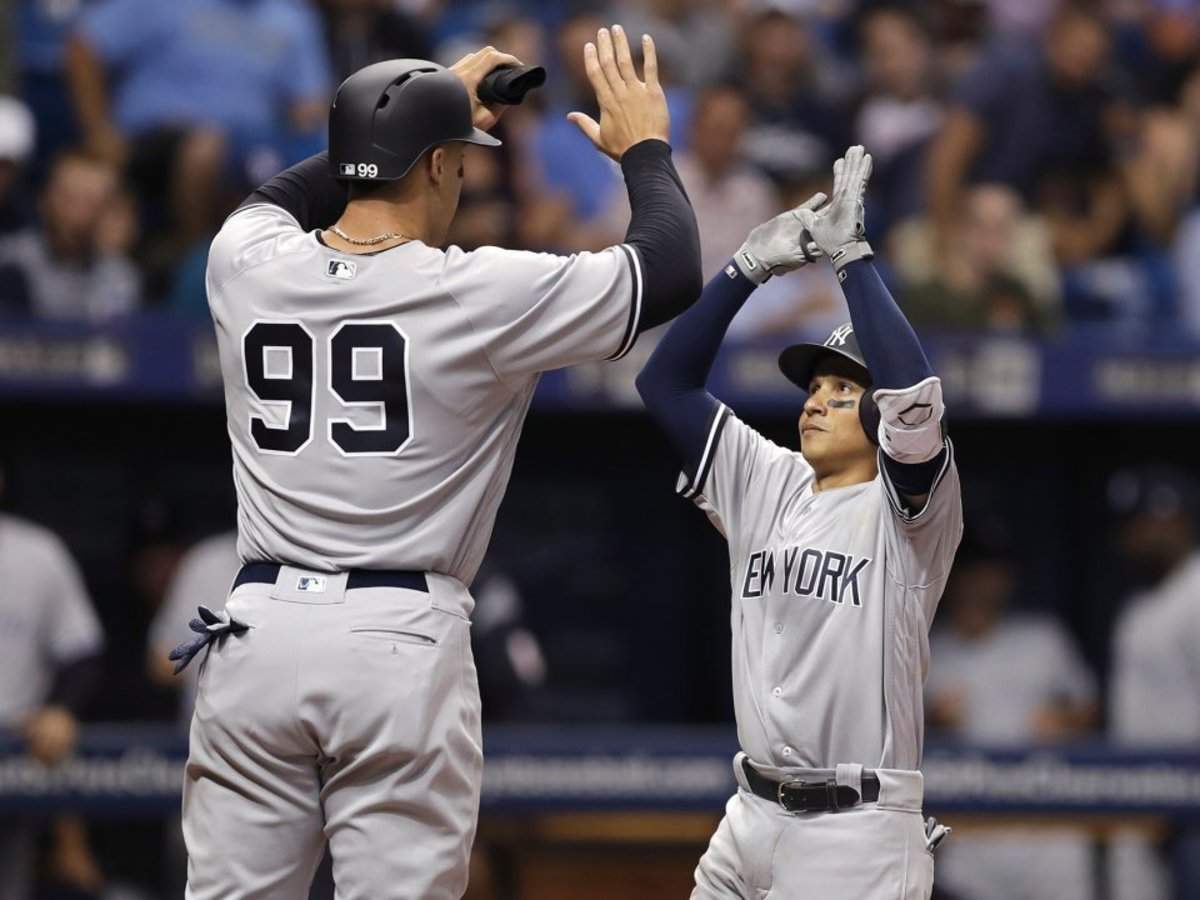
(267, 573)
(811, 794)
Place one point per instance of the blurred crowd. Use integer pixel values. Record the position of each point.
(1036, 162)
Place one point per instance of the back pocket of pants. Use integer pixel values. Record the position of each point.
(395, 636)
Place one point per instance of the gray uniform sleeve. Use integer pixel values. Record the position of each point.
(252, 235)
(1073, 680)
(538, 311)
(929, 537)
(742, 480)
(72, 630)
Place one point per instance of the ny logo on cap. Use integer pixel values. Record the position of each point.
(838, 338)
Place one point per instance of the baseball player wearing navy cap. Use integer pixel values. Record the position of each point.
(375, 389)
(838, 555)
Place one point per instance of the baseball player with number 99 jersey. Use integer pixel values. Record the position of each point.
(838, 555)
(375, 387)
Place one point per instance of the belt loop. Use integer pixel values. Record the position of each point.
(740, 760)
(850, 775)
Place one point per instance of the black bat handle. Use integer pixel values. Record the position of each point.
(509, 84)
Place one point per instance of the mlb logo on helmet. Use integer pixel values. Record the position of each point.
(341, 268)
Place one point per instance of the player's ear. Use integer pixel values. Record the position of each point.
(437, 164)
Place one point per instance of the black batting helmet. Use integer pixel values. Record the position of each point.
(386, 115)
(799, 361)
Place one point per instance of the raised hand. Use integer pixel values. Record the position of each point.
(471, 69)
(631, 110)
(838, 228)
(779, 245)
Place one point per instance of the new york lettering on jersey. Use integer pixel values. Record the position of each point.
(832, 595)
(806, 572)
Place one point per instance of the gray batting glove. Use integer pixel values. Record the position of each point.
(838, 229)
(779, 245)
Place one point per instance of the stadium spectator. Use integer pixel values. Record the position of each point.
(997, 274)
(1020, 18)
(361, 32)
(74, 266)
(693, 39)
(1171, 174)
(730, 197)
(17, 134)
(899, 112)
(1038, 119)
(1155, 651)
(1002, 678)
(8, 75)
(50, 644)
(41, 28)
(794, 131)
(585, 184)
(187, 91)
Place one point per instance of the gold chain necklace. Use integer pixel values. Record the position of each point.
(369, 242)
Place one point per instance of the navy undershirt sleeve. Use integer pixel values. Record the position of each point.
(663, 231)
(889, 344)
(672, 383)
(894, 357)
(307, 190)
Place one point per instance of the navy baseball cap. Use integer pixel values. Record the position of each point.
(1156, 490)
(799, 361)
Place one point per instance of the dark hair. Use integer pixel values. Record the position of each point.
(1077, 9)
(80, 155)
(916, 18)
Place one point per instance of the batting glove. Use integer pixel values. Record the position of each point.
(779, 245)
(838, 229)
(210, 627)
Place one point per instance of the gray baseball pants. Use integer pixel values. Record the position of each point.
(347, 716)
(873, 851)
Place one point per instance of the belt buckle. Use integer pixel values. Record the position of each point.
(786, 800)
(804, 789)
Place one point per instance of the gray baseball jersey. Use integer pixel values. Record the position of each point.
(833, 594)
(1023, 663)
(374, 401)
(1006, 675)
(46, 618)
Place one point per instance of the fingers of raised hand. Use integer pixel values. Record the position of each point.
(807, 216)
(812, 204)
(867, 165)
(494, 57)
(591, 63)
(624, 57)
(839, 178)
(608, 60)
(650, 62)
(857, 171)
(589, 126)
